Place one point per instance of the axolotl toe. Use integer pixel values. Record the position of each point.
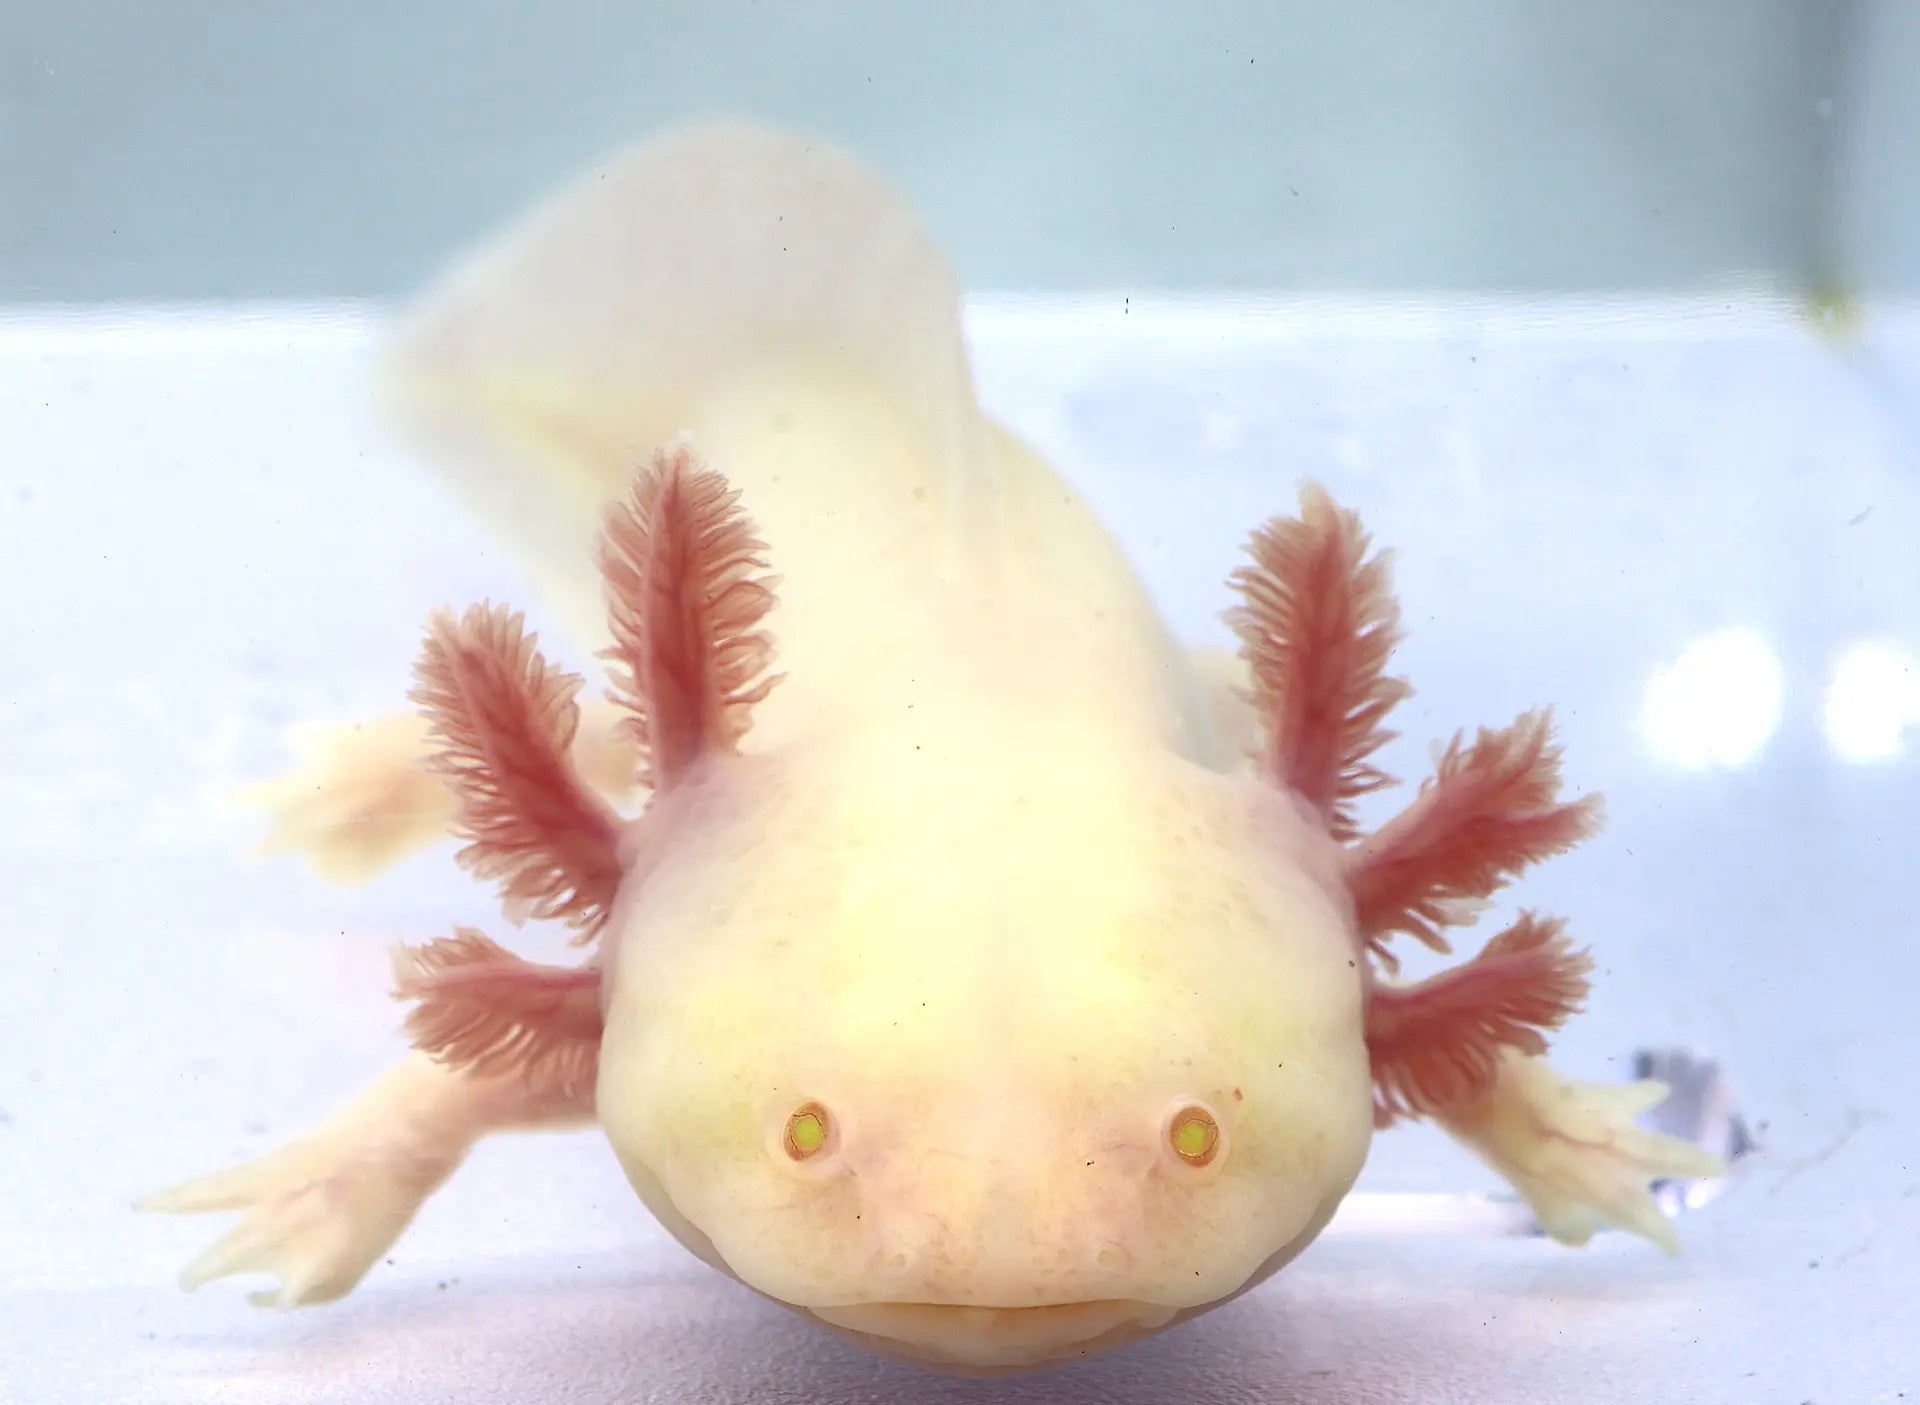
(965, 966)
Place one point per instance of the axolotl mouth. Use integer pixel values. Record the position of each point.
(985, 1340)
(990, 1340)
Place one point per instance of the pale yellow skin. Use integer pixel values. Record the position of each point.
(990, 879)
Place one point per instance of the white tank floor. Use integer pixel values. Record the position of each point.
(1700, 540)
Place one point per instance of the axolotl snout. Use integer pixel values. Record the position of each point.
(966, 966)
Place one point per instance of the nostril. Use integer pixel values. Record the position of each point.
(1112, 1258)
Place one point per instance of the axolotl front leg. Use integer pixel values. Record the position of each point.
(1463, 1048)
(502, 1044)
(322, 1210)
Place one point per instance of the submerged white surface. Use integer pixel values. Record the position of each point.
(1694, 529)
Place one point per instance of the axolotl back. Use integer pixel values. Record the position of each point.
(967, 966)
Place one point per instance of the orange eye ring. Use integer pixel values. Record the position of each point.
(808, 1131)
(1194, 1136)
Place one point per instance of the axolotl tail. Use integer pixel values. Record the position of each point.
(775, 303)
(762, 294)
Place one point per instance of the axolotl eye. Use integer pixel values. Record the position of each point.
(809, 1130)
(1194, 1135)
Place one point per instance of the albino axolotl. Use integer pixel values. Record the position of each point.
(965, 966)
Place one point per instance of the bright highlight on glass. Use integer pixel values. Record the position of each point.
(1872, 701)
(1718, 704)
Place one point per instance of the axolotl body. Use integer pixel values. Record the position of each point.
(967, 966)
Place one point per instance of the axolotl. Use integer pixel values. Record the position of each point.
(965, 965)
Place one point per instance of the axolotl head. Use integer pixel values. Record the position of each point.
(987, 1074)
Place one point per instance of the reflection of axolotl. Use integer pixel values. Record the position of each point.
(994, 984)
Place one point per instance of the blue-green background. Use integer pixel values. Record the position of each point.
(217, 148)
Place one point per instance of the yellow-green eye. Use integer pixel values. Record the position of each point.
(1195, 1136)
(806, 1131)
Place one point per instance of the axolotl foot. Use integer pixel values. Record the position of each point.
(320, 1211)
(1576, 1152)
(316, 1215)
(363, 797)
(358, 802)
